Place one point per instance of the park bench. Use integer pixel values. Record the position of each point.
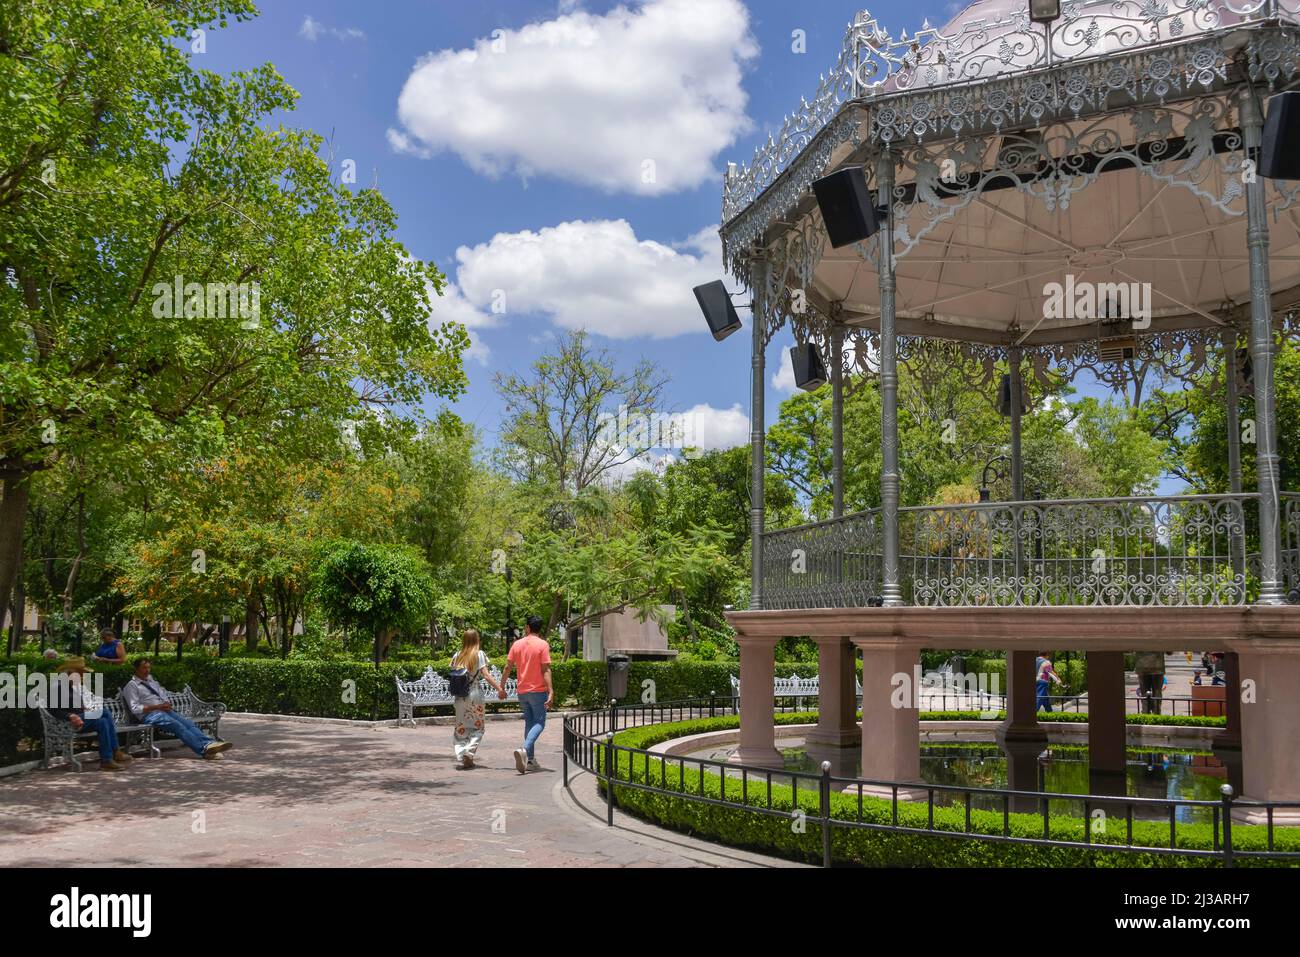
(432, 689)
(205, 714)
(60, 738)
(793, 687)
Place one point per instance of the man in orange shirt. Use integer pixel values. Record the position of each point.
(531, 657)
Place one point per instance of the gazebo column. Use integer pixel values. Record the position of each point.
(1107, 741)
(757, 704)
(891, 590)
(1021, 724)
(837, 708)
(1261, 357)
(837, 420)
(891, 718)
(757, 427)
(1233, 419)
(1269, 756)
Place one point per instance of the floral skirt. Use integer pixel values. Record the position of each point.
(469, 724)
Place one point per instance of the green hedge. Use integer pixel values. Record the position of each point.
(777, 835)
(316, 688)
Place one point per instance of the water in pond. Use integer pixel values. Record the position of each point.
(1187, 775)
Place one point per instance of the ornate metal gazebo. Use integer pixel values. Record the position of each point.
(1113, 148)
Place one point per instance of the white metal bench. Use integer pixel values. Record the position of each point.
(62, 739)
(432, 689)
(794, 687)
(205, 714)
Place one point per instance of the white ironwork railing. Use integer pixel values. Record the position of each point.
(873, 64)
(1158, 550)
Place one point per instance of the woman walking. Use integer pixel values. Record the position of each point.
(469, 707)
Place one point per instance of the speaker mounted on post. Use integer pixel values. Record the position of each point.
(715, 303)
(1279, 151)
(846, 206)
(809, 370)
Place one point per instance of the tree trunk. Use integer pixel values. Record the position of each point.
(13, 514)
(556, 607)
(75, 570)
(250, 622)
(15, 636)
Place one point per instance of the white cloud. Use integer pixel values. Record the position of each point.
(783, 378)
(595, 276)
(718, 428)
(312, 30)
(590, 98)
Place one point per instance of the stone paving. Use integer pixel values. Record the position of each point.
(334, 795)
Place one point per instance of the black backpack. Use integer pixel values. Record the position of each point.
(458, 682)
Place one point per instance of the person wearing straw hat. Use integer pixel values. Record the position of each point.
(112, 757)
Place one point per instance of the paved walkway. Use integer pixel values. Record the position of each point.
(293, 794)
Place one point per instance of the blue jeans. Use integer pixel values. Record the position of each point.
(533, 704)
(106, 731)
(182, 727)
(1042, 702)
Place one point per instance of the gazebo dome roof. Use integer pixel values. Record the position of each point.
(1102, 148)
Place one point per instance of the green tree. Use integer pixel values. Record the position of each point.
(124, 172)
(555, 433)
(377, 589)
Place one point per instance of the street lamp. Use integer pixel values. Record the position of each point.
(999, 473)
(512, 539)
(1044, 11)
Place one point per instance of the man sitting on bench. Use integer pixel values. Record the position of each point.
(148, 701)
(112, 757)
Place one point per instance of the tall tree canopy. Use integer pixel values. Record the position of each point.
(126, 173)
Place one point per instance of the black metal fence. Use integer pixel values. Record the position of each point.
(590, 744)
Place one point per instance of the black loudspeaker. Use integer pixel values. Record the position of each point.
(715, 303)
(809, 372)
(1004, 396)
(1279, 152)
(846, 206)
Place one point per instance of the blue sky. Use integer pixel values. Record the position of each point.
(536, 180)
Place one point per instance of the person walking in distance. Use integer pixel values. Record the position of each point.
(1043, 687)
(471, 663)
(1150, 668)
(531, 657)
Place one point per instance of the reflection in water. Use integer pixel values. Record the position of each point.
(1061, 770)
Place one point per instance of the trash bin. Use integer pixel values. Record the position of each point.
(617, 665)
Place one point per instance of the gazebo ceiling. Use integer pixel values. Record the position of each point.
(1006, 269)
(1109, 154)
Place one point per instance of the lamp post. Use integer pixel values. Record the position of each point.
(513, 538)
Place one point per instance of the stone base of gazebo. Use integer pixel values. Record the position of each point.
(1264, 712)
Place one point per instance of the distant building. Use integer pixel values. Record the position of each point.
(625, 634)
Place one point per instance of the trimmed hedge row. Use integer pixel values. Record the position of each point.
(776, 834)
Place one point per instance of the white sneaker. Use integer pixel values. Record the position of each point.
(521, 760)
(533, 765)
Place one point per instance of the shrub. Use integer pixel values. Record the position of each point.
(750, 827)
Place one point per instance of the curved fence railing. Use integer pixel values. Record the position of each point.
(1173, 550)
(591, 744)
